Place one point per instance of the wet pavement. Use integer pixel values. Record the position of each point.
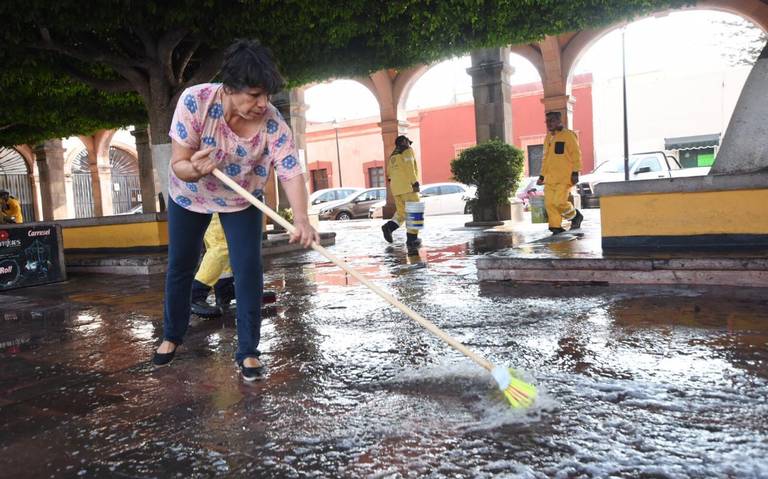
(635, 381)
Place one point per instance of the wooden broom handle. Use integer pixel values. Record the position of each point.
(343, 265)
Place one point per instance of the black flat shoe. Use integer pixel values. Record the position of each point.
(163, 359)
(252, 374)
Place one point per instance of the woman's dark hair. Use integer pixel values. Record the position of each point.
(248, 64)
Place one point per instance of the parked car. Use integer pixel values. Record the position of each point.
(642, 166)
(135, 210)
(355, 205)
(528, 188)
(438, 199)
(446, 198)
(329, 194)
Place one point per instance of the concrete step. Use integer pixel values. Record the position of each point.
(730, 271)
(155, 263)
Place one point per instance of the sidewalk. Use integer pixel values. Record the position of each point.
(354, 388)
(539, 258)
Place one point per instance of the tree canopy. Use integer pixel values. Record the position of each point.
(99, 58)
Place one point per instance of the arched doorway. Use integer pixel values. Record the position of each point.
(343, 136)
(82, 185)
(14, 177)
(126, 189)
(441, 102)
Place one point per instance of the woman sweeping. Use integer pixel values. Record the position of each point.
(234, 127)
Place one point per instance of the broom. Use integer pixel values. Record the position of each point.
(519, 393)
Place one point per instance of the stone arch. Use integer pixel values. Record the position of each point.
(79, 183)
(334, 157)
(755, 11)
(102, 140)
(532, 55)
(74, 149)
(406, 80)
(16, 175)
(125, 180)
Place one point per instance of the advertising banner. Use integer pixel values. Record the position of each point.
(31, 254)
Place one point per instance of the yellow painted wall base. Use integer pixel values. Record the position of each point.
(152, 234)
(733, 212)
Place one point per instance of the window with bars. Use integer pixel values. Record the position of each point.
(126, 185)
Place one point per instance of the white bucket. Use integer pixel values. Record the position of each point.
(414, 215)
(538, 210)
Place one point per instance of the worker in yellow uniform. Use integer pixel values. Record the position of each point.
(559, 172)
(216, 272)
(10, 208)
(403, 178)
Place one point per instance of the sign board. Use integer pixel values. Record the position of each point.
(31, 254)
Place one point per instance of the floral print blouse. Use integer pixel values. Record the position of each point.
(198, 123)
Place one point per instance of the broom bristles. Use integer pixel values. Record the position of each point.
(519, 393)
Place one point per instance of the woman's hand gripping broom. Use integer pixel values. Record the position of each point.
(519, 393)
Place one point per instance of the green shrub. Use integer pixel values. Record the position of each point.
(286, 213)
(494, 167)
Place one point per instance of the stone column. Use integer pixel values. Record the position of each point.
(101, 168)
(291, 105)
(490, 73)
(50, 165)
(146, 170)
(744, 148)
(390, 130)
(105, 188)
(93, 167)
(563, 104)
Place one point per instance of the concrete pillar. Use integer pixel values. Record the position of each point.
(490, 73)
(102, 168)
(274, 195)
(390, 130)
(554, 80)
(744, 148)
(50, 165)
(97, 146)
(98, 186)
(293, 108)
(563, 104)
(146, 170)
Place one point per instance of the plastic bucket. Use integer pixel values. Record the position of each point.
(414, 215)
(538, 210)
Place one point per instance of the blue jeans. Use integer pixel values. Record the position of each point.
(185, 241)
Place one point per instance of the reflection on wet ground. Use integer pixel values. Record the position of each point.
(635, 381)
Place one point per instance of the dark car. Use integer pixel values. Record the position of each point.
(353, 206)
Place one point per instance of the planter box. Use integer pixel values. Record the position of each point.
(500, 213)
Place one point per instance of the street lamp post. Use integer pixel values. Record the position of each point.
(338, 153)
(624, 95)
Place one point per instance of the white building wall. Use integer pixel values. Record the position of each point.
(663, 105)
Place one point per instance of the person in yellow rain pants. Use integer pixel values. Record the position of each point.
(214, 272)
(559, 172)
(403, 178)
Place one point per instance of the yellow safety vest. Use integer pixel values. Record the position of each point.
(562, 157)
(402, 172)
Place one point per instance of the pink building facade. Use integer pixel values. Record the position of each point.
(439, 135)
